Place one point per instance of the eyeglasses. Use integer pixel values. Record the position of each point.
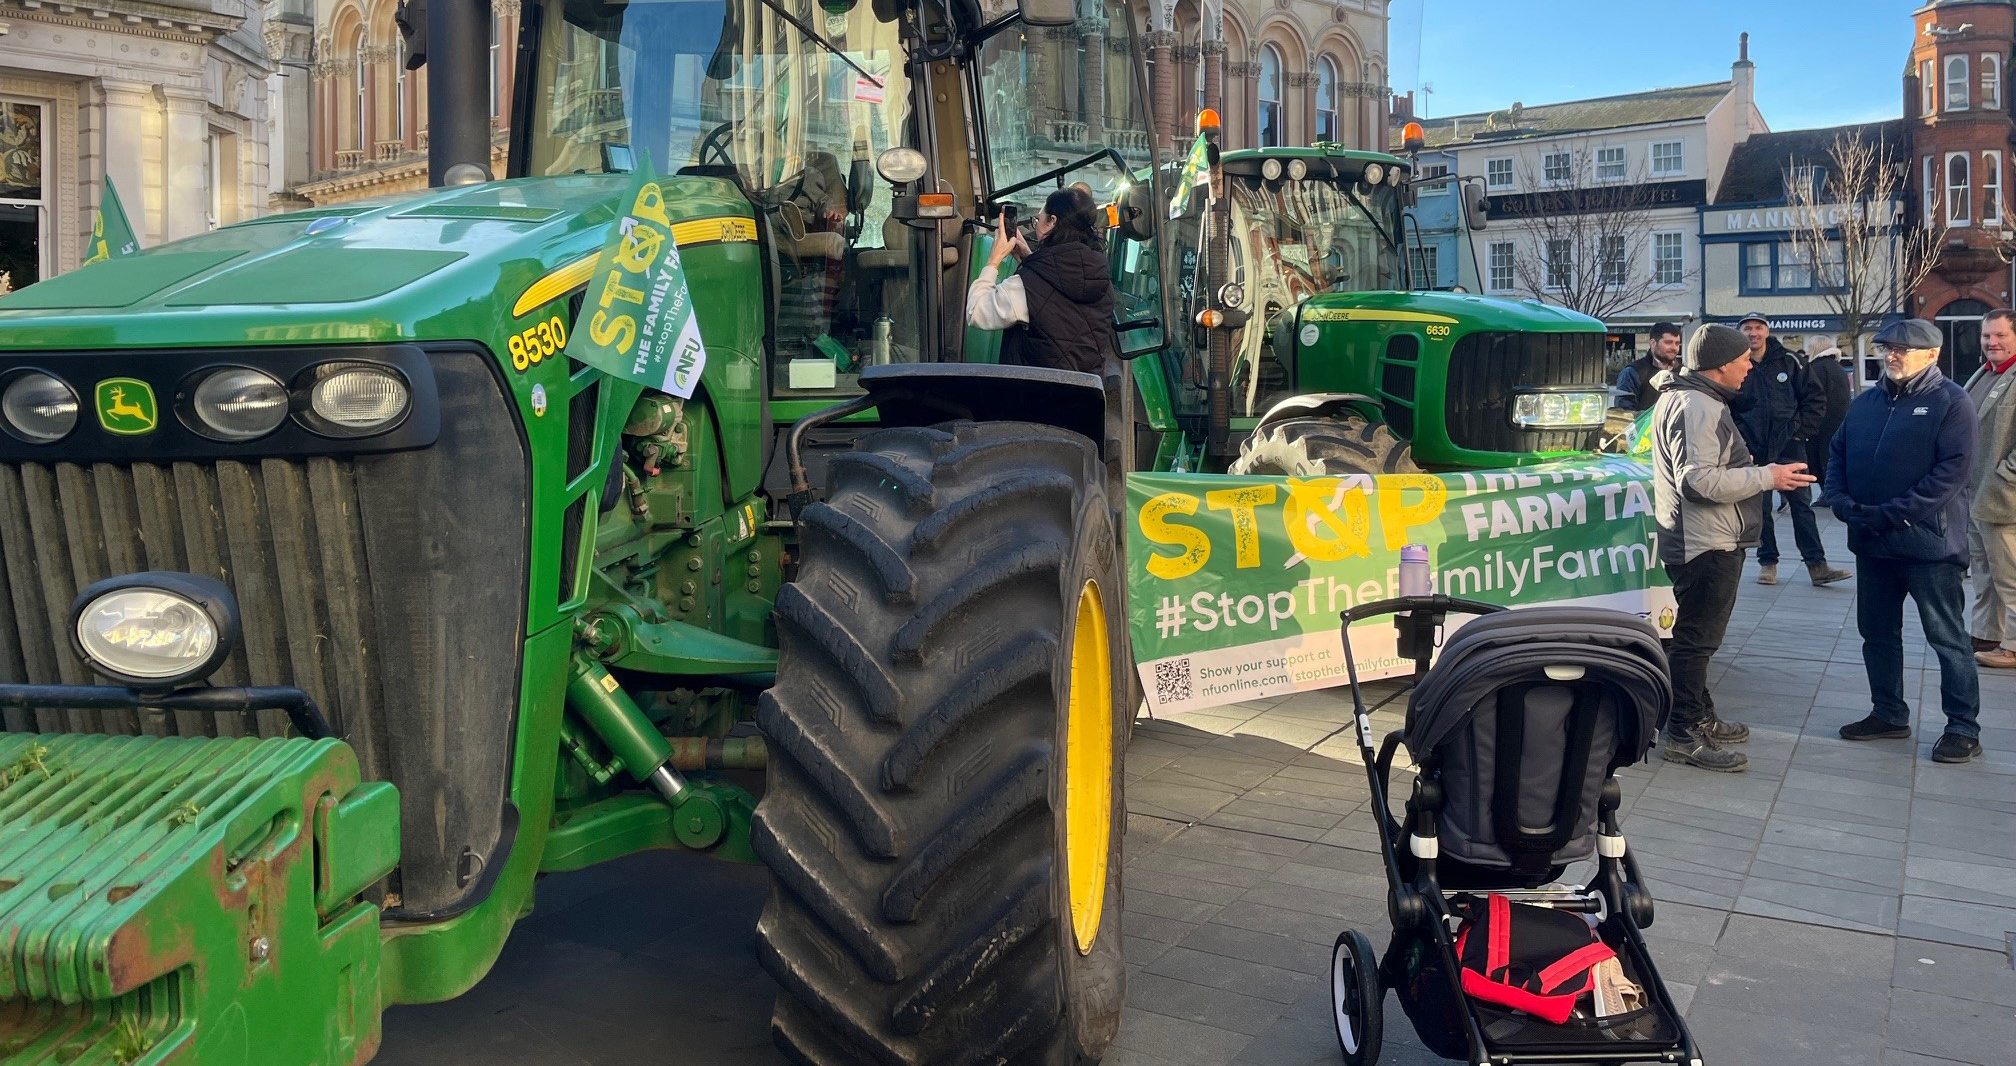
(1889, 349)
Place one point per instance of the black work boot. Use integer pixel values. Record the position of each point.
(1723, 731)
(1874, 728)
(1696, 748)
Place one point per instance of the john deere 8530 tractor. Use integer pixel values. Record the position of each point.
(338, 606)
(1315, 352)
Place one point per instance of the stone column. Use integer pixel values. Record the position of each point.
(1302, 87)
(1092, 77)
(1242, 85)
(185, 195)
(127, 107)
(1161, 47)
(1212, 58)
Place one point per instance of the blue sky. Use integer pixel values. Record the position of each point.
(1819, 62)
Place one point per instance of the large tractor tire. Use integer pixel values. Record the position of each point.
(943, 813)
(1314, 447)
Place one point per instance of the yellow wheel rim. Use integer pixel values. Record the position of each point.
(1088, 768)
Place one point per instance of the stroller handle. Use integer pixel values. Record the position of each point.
(1437, 603)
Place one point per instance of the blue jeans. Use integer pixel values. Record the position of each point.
(1805, 532)
(1880, 588)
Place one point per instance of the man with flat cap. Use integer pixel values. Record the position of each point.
(1705, 487)
(1897, 475)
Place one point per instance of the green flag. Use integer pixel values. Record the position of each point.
(637, 321)
(1193, 175)
(111, 234)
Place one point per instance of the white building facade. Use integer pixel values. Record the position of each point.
(170, 99)
(1620, 180)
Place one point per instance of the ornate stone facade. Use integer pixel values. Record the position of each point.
(170, 99)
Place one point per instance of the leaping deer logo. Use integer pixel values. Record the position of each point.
(120, 414)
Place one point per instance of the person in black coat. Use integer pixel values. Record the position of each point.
(1826, 368)
(1634, 391)
(1898, 477)
(1057, 308)
(1779, 410)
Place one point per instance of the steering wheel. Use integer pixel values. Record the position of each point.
(716, 144)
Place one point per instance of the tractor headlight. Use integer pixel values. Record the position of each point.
(355, 399)
(1271, 170)
(1375, 173)
(155, 630)
(1232, 296)
(38, 408)
(1559, 410)
(1394, 177)
(236, 403)
(1297, 169)
(901, 166)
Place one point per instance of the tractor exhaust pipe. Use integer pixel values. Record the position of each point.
(458, 85)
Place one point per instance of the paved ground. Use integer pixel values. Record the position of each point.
(1840, 904)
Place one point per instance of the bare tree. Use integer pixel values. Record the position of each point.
(1847, 224)
(1592, 238)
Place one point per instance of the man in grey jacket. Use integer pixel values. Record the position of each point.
(1991, 492)
(1705, 487)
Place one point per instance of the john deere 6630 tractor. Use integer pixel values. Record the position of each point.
(338, 606)
(1315, 352)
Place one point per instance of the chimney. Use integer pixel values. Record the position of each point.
(1403, 108)
(1743, 79)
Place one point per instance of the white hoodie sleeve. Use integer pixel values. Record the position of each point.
(991, 305)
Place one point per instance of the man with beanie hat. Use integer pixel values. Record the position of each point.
(1781, 407)
(1704, 488)
(1898, 478)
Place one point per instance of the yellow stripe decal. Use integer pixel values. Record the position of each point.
(576, 274)
(1347, 314)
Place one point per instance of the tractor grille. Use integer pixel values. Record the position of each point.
(390, 587)
(1485, 369)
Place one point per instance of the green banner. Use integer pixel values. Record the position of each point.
(1192, 176)
(1235, 584)
(111, 232)
(638, 320)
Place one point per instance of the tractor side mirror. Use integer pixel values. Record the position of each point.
(1048, 12)
(1474, 214)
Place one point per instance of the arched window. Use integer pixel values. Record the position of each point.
(360, 77)
(1991, 188)
(1959, 189)
(1326, 100)
(1991, 81)
(1270, 125)
(398, 86)
(1956, 83)
(496, 70)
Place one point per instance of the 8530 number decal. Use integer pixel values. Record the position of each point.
(537, 343)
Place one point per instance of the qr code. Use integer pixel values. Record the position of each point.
(1172, 681)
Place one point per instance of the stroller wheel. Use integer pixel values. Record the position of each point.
(1357, 1002)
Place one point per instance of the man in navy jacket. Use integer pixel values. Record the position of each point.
(1896, 475)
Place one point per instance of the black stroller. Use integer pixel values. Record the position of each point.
(1517, 731)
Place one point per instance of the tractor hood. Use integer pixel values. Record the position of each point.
(1448, 308)
(428, 266)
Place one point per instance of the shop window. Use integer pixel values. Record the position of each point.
(23, 198)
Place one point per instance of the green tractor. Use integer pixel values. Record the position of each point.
(1311, 354)
(394, 610)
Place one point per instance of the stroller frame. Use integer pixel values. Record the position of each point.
(1418, 907)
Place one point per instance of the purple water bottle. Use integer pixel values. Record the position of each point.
(1414, 570)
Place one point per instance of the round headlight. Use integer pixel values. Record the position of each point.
(237, 403)
(353, 399)
(1297, 169)
(38, 408)
(1271, 169)
(465, 174)
(155, 629)
(1231, 295)
(901, 166)
(1374, 173)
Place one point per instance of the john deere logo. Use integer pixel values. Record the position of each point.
(1666, 618)
(126, 407)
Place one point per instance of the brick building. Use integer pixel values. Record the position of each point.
(1957, 111)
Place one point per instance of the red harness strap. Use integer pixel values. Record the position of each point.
(1541, 994)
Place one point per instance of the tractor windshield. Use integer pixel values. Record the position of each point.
(791, 100)
(1294, 239)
